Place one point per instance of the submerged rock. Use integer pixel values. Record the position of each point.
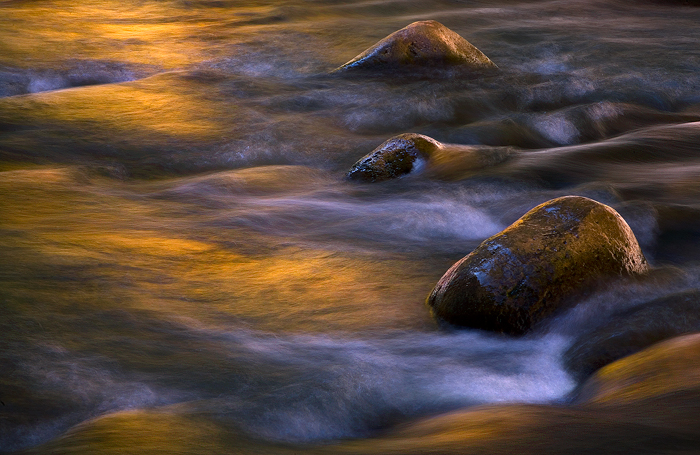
(664, 368)
(407, 152)
(421, 44)
(536, 266)
(633, 330)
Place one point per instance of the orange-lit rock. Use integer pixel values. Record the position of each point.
(664, 368)
(533, 268)
(420, 44)
(632, 330)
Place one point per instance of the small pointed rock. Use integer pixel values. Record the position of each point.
(396, 157)
(409, 152)
(421, 44)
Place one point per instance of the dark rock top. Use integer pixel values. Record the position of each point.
(409, 152)
(420, 44)
(394, 158)
(536, 266)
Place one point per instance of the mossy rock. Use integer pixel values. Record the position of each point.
(537, 266)
(420, 44)
(633, 330)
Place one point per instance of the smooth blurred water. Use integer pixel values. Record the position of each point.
(184, 268)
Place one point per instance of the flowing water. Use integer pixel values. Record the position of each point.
(184, 268)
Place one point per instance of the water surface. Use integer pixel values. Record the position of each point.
(184, 268)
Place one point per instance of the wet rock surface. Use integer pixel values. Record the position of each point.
(534, 268)
(420, 44)
(633, 330)
(664, 368)
(406, 153)
(396, 157)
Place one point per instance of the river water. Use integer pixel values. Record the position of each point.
(184, 268)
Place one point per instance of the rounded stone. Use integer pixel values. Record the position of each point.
(536, 266)
(420, 44)
(396, 157)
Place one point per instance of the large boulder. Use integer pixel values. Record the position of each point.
(408, 152)
(634, 329)
(420, 44)
(537, 266)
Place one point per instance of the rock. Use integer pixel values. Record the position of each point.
(407, 152)
(536, 266)
(633, 330)
(396, 157)
(664, 368)
(420, 44)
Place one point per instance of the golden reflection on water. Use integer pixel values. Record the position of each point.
(142, 108)
(175, 430)
(95, 240)
(147, 432)
(129, 31)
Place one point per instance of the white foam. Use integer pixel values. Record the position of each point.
(47, 83)
(412, 219)
(557, 128)
(346, 387)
